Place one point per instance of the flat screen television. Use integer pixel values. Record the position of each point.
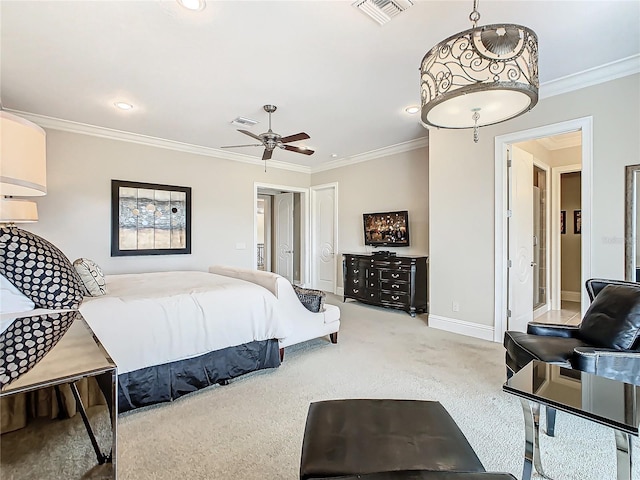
(388, 229)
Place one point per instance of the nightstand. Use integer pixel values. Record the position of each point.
(78, 354)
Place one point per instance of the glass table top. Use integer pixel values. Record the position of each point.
(610, 402)
(77, 354)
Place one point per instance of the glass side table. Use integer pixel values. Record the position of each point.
(598, 399)
(78, 354)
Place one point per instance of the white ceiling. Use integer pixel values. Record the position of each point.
(331, 70)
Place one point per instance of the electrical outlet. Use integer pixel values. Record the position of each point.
(455, 306)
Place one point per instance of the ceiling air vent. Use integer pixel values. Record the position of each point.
(244, 122)
(382, 10)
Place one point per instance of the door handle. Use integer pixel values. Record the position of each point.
(533, 264)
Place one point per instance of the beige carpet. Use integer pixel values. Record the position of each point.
(252, 428)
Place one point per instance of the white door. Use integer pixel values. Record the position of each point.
(324, 237)
(520, 227)
(283, 232)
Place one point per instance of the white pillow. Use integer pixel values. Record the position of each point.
(13, 300)
(92, 277)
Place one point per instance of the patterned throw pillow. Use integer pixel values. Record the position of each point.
(39, 270)
(313, 300)
(92, 277)
(29, 339)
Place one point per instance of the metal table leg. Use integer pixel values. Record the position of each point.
(623, 455)
(102, 458)
(531, 411)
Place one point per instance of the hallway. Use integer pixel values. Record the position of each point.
(569, 314)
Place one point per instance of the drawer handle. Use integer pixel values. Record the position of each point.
(356, 281)
(395, 286)
(395, 275)
(371, 295)
(355, 290)
(356, 271)
(395, 297)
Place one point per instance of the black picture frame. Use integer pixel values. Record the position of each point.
(577, 222)
(563, 222)
(149, 219)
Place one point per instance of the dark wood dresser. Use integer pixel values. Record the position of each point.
(387, 281)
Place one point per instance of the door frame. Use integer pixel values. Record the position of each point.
(314, 189)
(304, 225)
(502, 142)
(549, 225)
(556, 250)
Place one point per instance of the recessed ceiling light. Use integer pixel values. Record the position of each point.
(195, 5)
(334, 155)
(123, 105)
(412, 109)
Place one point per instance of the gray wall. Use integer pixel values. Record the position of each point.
(570, 241)
(461, 194)
(398, 182)
(75, 214)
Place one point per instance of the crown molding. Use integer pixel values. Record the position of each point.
(373, 154)
(593, 76)
(86, 129)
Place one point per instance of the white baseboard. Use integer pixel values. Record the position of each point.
(570, 296)
(340, 291)
(538, 312)
(461, 327)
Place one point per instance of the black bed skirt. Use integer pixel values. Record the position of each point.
(163, 383)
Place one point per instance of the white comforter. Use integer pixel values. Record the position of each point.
(154, 318)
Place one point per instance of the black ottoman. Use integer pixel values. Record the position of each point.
(426, 475)
(351, 437)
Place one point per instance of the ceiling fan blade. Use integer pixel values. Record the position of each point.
(295, 138)
(249, 145)
(267, 154)
(304, 151)
(251, 134)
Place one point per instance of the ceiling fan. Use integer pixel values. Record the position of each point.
(270, 140)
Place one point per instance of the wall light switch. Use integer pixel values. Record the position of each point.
(241, 246)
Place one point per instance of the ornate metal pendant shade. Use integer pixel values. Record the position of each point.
(481, 76)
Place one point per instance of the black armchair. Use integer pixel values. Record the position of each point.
(606, 343)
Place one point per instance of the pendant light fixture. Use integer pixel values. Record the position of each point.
(481, 76)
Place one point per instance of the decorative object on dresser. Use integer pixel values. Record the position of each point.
(387, 280)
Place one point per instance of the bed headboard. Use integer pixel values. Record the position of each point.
(267, 280)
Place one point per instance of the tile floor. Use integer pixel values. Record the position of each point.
(569, 314)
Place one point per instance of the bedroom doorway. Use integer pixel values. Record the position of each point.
(510, 312)
(324, 237)
(280, 231)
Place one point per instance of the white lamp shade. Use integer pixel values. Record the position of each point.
(23, 161)
(18, 211)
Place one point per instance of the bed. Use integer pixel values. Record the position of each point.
(171, 333)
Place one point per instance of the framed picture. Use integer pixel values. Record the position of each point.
(577, 221)
(563, 221)
(149, 219)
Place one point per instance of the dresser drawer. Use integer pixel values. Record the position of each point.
(372, 296)
(355, 292)
(355, 282)
(395, 275)
(355, 271)
(395, 287)
(400, 299)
